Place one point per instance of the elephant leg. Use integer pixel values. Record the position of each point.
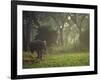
(41, 56)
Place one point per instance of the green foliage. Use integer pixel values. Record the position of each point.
(71, 29)
(57, 60)
(68, 31)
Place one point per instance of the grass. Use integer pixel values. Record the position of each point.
(56, 60)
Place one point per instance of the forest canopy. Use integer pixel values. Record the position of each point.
(66, 31)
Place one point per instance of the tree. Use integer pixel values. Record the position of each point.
(82, 23)
(60, 19)
(28, 19)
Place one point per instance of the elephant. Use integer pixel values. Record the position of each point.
(39, 47)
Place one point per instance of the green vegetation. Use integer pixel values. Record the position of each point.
(65, 37)
(56, 60)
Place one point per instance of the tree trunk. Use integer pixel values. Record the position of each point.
(80, 47)
(26, 34)
(61, 36)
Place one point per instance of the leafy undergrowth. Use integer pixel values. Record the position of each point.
(56, 60)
